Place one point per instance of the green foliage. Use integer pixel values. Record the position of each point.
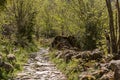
(90, 15)
(85, 19)
(2, 4)
(21, 14)
(20, 53)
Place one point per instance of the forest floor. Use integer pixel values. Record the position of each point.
(39, 67)
(75, 64)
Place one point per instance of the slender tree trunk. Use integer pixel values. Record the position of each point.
(118, 34)
(111, 27)
(116, 25)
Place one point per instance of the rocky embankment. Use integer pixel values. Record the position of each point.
(92, 64)
(39, 67)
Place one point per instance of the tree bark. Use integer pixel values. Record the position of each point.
(118, 35)
(111, 27)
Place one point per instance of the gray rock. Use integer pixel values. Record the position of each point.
(108, 76)
(33, 55)
(96, 55)
(115, 66)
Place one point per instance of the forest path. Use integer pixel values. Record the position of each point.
(39, 67)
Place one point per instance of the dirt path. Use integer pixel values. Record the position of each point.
(40, 68)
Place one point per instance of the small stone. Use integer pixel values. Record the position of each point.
(22, 74)
(88, 77)
(11, 57)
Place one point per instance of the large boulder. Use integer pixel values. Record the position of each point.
(115, 66)
(62, 42)
(59, 42)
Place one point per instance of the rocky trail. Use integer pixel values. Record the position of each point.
(39, 67)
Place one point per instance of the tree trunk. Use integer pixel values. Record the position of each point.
(111, 27)
(118, 9)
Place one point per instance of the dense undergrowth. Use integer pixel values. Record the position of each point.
(21, 55)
